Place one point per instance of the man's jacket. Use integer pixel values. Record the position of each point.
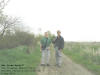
(45, 42)
(59, 42)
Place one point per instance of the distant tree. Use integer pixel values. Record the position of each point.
(52, 36)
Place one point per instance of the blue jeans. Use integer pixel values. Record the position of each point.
(58, 55)
(45, 56)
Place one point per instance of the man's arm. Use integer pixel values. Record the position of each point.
(62, 43)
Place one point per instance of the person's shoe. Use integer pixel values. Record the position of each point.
(42, 64)
(48, 64)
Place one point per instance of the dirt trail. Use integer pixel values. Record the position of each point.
(68, 67)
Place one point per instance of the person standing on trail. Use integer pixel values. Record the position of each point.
(59, 45)
(45, 49)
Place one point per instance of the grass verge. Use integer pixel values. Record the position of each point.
(18, 57)
(83, 58)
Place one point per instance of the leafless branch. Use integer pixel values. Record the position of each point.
(7, 23)
(3, 3)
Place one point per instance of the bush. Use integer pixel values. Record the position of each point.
(19, 38)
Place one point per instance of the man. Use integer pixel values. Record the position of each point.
(59, 45)
(45, 49)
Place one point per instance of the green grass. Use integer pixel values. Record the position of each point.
(20, 56)
(79, 56)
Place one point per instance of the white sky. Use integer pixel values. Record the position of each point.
(79, 20)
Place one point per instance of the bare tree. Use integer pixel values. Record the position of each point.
(3, 3)
(7, 23)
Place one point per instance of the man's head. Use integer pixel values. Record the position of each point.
(58, 32)
(46, 34)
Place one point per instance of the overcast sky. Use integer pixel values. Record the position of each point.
(79, 20)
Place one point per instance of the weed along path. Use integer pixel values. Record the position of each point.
(68, 67)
